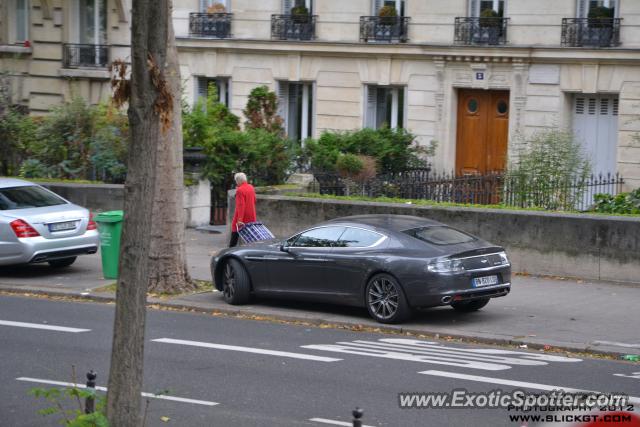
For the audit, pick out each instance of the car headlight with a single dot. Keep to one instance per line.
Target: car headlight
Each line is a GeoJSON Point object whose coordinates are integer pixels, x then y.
{"type": "Point", "coordinates": [503, 258]}
{"type": "Point", "coordinates": [446, 266]}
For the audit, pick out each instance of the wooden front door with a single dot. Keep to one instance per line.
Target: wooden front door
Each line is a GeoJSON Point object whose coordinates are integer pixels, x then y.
{"type": "Point", "coordinates": [483, 128]}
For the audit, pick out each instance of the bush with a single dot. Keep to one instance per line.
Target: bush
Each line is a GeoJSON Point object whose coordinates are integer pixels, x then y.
{"type": "Point", "coordinates": [623, 203]}
{"type": "Point", "coordinates": [550, 173]}
{"type": "Point", "coordinates": [262, 111]}
{"type": "Point", "coordinates": [17, 130]}
{"type": "Point", "coordinates": [393, 149]}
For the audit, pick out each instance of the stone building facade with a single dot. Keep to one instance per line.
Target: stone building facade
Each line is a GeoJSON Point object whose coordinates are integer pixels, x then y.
{"type": "Point", "coordinates": [477, 76]}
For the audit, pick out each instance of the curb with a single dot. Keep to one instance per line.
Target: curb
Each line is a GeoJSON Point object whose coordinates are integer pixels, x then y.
{"type": "Point", "coordinates": [286, 318]}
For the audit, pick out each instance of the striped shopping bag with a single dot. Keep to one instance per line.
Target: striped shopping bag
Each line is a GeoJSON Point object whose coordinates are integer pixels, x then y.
{"type": "Point", "coordinates": [255, 232]}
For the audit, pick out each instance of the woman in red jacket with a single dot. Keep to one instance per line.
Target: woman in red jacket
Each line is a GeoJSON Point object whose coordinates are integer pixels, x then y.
{"type": "Point", "coordinates": [245, 206]}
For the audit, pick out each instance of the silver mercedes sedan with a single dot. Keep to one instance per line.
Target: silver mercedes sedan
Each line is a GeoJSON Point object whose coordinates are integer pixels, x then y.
{"type": "Point", "coordinates": [37, 225]}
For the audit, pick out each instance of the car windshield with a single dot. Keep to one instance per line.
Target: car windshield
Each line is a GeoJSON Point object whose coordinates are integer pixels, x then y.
{"type": "Point", "coordinates": [26, 197]}
{"type": "Point", "coordinates": [440, 235]}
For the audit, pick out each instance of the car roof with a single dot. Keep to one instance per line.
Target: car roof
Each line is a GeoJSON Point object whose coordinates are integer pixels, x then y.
{"type": "Point", "coordinates": [395, 223]}
{"type": "Point", "coordinates": [13, 182]}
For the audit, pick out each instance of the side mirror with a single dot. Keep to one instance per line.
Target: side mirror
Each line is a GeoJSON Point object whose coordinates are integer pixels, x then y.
{"type": "Point", "coordinates": [284, 247]}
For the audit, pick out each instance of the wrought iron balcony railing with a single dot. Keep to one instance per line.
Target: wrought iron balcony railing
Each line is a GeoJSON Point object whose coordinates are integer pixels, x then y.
{"type": "Point", "coordinates": [591, 32]}
{"type": "Point", "coordinates": [85, 55]}
{"type": "Point", "coordinates": [213, 25]}
{"type": "Point", "coordinates": [481, 30]}
{"type": "Point", "coordinates": [293, 27]}
{"type": "Point", "coordinates": [384, 28]}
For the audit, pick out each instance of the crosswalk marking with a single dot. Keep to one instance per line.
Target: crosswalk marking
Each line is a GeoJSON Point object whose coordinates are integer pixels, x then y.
{"type": "Point", "coordinates": [152, 395]}
{"type": "Point", "coordinates": [248, 350]}
{"type": "Point", "coordinates": [41, 326]}
{"type": "Point", "coordinates": [434, 353]}
{"type": "Point", "coordinates": [501, 381]}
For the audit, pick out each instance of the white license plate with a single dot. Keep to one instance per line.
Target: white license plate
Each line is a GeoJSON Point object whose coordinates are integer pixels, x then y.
{"type": "Point", "coordinates": [62, 226]}
{"type": "Point", "coordinates": [485, 281]}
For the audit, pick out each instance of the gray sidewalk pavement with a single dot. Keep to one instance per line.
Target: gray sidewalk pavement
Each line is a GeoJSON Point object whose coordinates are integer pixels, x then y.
{"type": "Point", "coordinates": [568, 314]}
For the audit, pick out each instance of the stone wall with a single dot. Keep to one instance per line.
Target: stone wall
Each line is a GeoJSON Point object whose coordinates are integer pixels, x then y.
{"type": "Point", "coordinates": [583, 246]}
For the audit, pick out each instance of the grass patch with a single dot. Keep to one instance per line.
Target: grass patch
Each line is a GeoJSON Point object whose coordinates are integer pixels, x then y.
{"type": "Point", "coordinates": [201, 286]}
{"type": "Point", "coordinates": [418, 202]}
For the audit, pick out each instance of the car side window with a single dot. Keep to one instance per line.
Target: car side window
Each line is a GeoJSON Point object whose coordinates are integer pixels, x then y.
{"type": "Point", "coordinates": [322, 237]}
{"type": "Point", "coordinates": [358, 238]}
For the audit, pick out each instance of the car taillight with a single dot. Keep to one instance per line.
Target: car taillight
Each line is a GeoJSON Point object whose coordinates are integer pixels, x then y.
{"type": "Point", "coordinates": [92, 224]}
{"type": "Point", "coordinates": [23, 229]}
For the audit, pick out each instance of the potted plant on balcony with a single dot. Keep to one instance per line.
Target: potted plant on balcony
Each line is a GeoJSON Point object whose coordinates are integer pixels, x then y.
{"type": "Point", "coordinates": [388, 15]}
{"type": "Point", "coordinates": [600, 26]}
{"type": "Point", "coordinates": [216, 8]}
{"type": "Point", "coordinates": [489, 18]}
{"type": "Point", "coordinates": [300, 14]}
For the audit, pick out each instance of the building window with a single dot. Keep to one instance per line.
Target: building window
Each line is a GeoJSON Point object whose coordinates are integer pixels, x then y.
{"type": "Point", "coordinates": [597, 9]}
{"type": "Point", "coordinates": [385, 107]}
{"type": "Point", "coordinates": [214, 6]}
{"type": "Point", "coordinates": [92, 22]}
{"type": "Point", "coordinates": [221, 84]}
{"type": "Point", "coordinates": [486, 8]}
{"type": "Point", "coordinates": [295, 106]}
{"type": "Point", "coordinates": [397, 4]}
{"type": "Point", "coordinates": [18, 20]}
{"type": "Point", "coordinates": [289, 5]}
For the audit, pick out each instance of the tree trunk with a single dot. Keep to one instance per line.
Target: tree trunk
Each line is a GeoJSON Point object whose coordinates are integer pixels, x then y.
{"type": "Point", "coordinates": [168, 271]}
{"type": "Point", "coordinates": [149, 35]}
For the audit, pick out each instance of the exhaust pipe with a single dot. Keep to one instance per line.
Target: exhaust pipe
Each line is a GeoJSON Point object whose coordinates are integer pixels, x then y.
{"type": "Point", "coordinates": [446, 300]}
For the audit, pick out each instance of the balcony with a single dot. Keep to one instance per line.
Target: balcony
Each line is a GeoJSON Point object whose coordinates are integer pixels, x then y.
{"type": "Point", "coordinates": [591, 32]}
{"type": "Point", "coordinates": [210, 25]}
{"type": "Point", "coordinates": [384, 29]}
{"type": "Point", "coordinates": [481, 31]}
{"type": "Point", "coordinates": [85, 55]}
{"type": "Point", "coordinates": [293, 27]}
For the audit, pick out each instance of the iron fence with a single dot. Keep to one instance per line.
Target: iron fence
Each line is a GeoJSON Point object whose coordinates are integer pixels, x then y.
{"type": "Point", "coordinates": [213, 25]}
{"type": "Point", "coordinates": [480, 30]}
{"type": "Point", "coordinates": [85, 55]}
{"type": "Point", "coordinates": [591, 32]}
{"type": "Point", "coordinates": [490, 189]}
{"type": "Point", "coordinates": [384, 28]}
{"type": "Point", "coordinates": [293, 27]}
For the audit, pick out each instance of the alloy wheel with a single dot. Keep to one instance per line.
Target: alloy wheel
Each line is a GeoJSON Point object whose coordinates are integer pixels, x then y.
{"type": "Point", "coordinates": [383, 298]}
{"type": "Point", "coordinates": [229, 287]}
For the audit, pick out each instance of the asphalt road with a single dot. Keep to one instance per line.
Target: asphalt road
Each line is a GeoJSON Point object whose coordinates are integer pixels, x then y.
{"type": "Point", "coordinates": [253, 373]}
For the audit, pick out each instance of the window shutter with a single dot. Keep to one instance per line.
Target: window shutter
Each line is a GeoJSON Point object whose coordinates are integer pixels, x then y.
{"type": "Point", "coordinates": [370, 111]}
{"type": "Point", "coordinates": [287, 6]}
{"type": "Point", "coordinates": [474, 8]}
{"type": "Point", "coordinates": [582, 9]}
{"type": "Point", "coordinates": [283, 102]}
{"type": "Point", "coordinates": [377, 5]}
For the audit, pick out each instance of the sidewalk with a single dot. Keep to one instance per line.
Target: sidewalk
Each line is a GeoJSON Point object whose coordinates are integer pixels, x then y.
{"type": "Point", "coordinates": [569, 314]}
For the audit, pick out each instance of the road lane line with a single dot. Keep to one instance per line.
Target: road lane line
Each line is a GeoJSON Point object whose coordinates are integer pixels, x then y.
{"type": "Point", "coordinates": [334, 422]}
{"type": "Point", "coordinates": [248, 350]}
{"type": "Point", "coordinates": [155, 396]}
{"type": "Point", "coordinates": [512, 383]}
{"type": "Point", "coordinates": [41, 326]}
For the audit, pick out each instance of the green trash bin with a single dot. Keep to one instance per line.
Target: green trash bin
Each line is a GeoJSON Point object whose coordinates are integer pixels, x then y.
{"type": "Point", "coordinates": [110, 228]}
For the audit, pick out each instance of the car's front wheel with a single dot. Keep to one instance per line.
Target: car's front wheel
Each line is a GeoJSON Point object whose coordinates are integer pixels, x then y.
{"type": "Point", "coordinates": [469, 306]}
{"type": "Point", "coordinates": [385, 300]}
{"type": "Point", "coordinates": [64, 262]}
{"type": "Point", "coordinates": [236, 285]}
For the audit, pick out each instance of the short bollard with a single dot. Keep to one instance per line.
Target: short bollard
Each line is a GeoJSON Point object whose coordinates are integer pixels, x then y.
{"type": "Point", "coordinates": [357, 414]}
{"type": "Point", "coordinates": [89, 403]}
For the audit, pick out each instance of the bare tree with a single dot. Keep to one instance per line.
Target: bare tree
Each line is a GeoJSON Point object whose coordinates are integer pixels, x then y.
{"type": "Point", "coordinates": [150, 114]}
{"type": "Point", "coordinates": [168, 271]}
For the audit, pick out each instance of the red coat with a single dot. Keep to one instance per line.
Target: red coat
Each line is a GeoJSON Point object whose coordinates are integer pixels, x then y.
{"type": "Point", "coordinates": [245, 205]}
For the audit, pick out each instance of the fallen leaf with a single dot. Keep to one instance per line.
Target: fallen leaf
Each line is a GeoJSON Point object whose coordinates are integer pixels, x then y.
{"type": "Point", "coordinates": [165, 419]}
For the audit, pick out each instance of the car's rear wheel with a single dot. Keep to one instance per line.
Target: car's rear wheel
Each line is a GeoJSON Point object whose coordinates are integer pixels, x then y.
{"type": "Point", "coordinates": [236, 285]}
{"type": "Point", "coordinates": [385, 300]}
{"type": "Point", "coordinates": [469, 306]}
{"type": "Point", "coordinates": [63, 262]}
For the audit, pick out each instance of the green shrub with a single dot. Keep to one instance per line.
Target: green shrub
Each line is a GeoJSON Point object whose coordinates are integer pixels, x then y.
{"type": "Point", "coordinates": [393, 149]}
{"type": "Point", "coordinates": [262, 111]}
{"type": "Point", "coordinates": [17, 130]}
{"type": "Point", "coordinates": [551, 172]}
{"type": "Point", "coordinates": [623, 203]}
{"type": "Point", "coordinates": [349, 164]}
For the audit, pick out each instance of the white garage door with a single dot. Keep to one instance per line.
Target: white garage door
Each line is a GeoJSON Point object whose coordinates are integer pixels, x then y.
{"type": "Point", "coordinates": [595, 122]}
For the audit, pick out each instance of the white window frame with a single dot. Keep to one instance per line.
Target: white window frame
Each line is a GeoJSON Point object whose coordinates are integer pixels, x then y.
{"type": "Point", "coordinates": [12, 21]}
{"type": "Point", "coordinates": [307, 124]}
{"type": "Point", "coordinates": [582, 7]}
{"type": "Point", "coordinates": [370, 120]}
{"type": "Point", "coordinates": [222, 83]}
